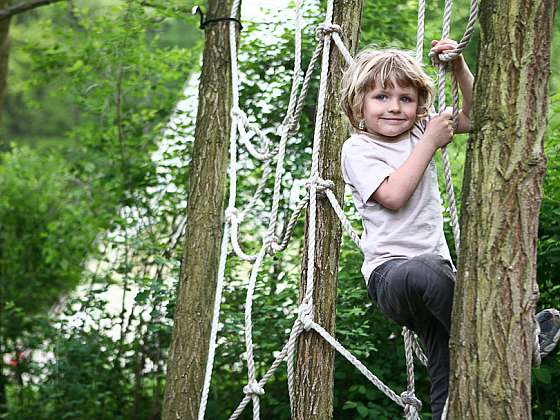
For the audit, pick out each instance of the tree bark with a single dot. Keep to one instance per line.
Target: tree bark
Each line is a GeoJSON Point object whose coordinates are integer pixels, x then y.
{"type": "Point", "coordinates": [7, 12]}
{"type": "Point", "coordinates": [315, 357]}
{"type": "Point", "coordinates": [4, 56]}
{"type": "Point", "coordinates": [205, 208]}
{"type": "Point", "coordinates": [496, 290]}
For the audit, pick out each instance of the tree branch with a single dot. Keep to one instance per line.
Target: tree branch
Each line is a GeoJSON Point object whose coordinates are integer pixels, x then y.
{"type": "Point", "coordinates": [24, 7]}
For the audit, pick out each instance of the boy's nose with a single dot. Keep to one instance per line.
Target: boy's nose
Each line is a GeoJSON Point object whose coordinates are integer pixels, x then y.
{"type": "Point", "coordinates": [394, 106]}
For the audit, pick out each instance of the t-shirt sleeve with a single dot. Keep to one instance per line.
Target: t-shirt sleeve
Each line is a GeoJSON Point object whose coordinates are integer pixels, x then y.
{"type": "Point", "coordinates": [364, 168]}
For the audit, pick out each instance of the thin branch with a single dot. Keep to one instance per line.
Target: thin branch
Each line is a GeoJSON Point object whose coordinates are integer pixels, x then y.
{"type": "Point", "coordinates": [24, 7]}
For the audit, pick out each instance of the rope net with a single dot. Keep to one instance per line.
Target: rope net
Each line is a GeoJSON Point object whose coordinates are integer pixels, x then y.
{"type": "Point", "coordinates": [243, 133]}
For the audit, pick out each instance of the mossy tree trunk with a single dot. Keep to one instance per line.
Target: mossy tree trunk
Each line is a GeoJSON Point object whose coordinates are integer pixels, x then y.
{"type": "Point", "coordinates": [4, 54]}
{"type": "Point", "coordinates": [496, 290]}
{"type": "Point", "coordinates": [4, 57]}
{"type": "Point", "coordinates": [205, 209]}
{"type": "Point", "coordinates": [315, 357]}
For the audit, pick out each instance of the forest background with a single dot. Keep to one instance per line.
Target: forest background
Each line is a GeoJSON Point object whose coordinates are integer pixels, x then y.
{"type": "Point", "coordinates": [95, 144]}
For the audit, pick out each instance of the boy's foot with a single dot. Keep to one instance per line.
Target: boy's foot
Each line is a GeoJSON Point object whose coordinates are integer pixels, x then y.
{"type": "Point", "coordinates": [549, 323]}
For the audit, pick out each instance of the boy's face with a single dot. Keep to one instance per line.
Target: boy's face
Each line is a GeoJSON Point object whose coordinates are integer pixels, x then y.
{"type": "Point", "coordinates": [390, 111]}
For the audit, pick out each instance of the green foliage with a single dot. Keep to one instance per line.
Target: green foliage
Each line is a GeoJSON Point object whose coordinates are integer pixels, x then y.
{"type": "Point", "coordinates": [97, 196]}
{"type": "Point", "coordinates": [89, 45]}
{"type": "Point", "coordinates": [47, 231]}
{"type": "Point", "coordinates": [91, 372]}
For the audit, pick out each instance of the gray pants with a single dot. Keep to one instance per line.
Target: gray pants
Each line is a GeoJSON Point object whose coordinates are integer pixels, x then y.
{"type": "Point", "coordinates": [418, 293]}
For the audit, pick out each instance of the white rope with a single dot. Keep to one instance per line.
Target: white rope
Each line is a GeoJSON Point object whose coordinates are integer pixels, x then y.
{"type": "Point", "coordinates": [420, 31]}
{"type": "Point", "coordinates": [342, 48]}
{"type": "Point", "coordinates": [307, 302]}
{"type": "Point", "coordinates": [245, 137]}
{"type": "Point", "coordinates": [445, 155]}
{"type": "Point", "coordinates": [411, 410]}
{"type": "Point", "coordinates": [536, 345]}
{"type": "Point", "coordinates": [346, 225]}
{"type": "Point", "coordinates": [234, 224]}
{"type": "Point", "coordinates": [231, 206]}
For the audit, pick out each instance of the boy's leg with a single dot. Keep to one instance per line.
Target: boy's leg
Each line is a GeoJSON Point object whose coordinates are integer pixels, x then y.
{"type": "Point", "coordinates": [418, 294]}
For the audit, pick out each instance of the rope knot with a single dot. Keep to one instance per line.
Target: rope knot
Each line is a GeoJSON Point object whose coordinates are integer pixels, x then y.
{"type": "Point", "coordinates": [305, 316]}
{"type": "Point", "coordinates": [410, 401]}
{"type": "Point", "coordinates": [231, 212]}
{"type": "Point", "coordinates": [292, 124]}
{"type": "Point", "coordinates": [325, 29]}
{"type": "Point", "coordinates": [273, 246]}
{"type": "Point", "coordinates": [322, 185]}
{"type": "Point", "coordinates": [253, 388]}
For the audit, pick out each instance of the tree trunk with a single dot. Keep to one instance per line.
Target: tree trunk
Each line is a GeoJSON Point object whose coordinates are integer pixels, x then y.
{"type": "Point", "coordinates": [199, 268]}
{"type": "Point", "coordinates": [496, 290]}
{"type": "Point", "coordinates": [315, 357]}
{"type": "Point", "coordinates": [4, 57]}
{"type": "Point", "coordinates": [4, 145]}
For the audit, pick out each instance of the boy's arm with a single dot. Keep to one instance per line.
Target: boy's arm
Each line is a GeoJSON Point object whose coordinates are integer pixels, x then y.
{"type": "Point", "coordinates": [395, 191]}
{"type": "Point", "coordinates": [465, 80]}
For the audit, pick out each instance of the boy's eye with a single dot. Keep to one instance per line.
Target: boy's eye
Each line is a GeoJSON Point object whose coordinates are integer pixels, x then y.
{"type": "Point", "coordinates": [406, 99]}
{"type": "Point", "coordinates": [380, 97]}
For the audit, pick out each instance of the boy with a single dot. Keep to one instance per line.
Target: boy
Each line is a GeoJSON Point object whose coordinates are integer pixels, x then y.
{"type": "Point", "coordinates": [388, 164]}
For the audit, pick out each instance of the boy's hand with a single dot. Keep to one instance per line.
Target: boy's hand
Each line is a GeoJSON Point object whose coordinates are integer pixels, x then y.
{"type": "Point", "coordinates": [446, 44]}
{"type": "Point", "coordinates": [440, 130]}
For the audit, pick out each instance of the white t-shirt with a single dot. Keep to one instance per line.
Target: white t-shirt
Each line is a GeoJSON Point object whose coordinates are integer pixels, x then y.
{"type": "Point", "coordinates": [414, 229]}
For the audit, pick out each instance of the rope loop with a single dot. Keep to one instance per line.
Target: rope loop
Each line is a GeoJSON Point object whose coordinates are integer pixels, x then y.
{"type": "Point", "coordinates": [325, 29]}
{"type": "Point", "coordinates": [410, 401]}
{"type": "Point", "coordinates": [253, 388]}
{"type": "Point", "coordinates": [322, 185]}
{"type": "Point", "coordinates": [446, 57]}
{"type": "Point", "coordinates": [305, 315]}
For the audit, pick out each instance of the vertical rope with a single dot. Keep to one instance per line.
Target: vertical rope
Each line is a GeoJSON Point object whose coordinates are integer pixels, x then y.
{"type": "Point", "coordinates": [410, 410]}
{"type": "Point", "coordinates": [231, 205]}
{"type": "Point", "coordinates": [441, 107]}
{"type": "Point", "coordinates": [286, 127]}
{"type": "Point", "coordinates": [269, 238]}
{"type": "Point", "coordinates": [420, 31]}
{"type": "Point", "coordinates": [307, 302]}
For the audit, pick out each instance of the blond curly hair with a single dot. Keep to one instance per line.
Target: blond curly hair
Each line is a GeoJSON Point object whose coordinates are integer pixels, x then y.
{"type": "Point", "coordinates": [382, 68]}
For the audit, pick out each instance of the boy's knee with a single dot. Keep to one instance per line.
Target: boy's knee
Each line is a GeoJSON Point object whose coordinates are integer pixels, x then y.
{"type": "Point", "coordinates": [411, 275]}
